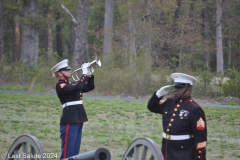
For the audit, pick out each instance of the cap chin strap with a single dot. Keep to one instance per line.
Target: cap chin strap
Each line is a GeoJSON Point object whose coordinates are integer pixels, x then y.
{"type": "Point", "coordinates": [64, 76]}
{"type": "Point", "coordinates": [182, 94]}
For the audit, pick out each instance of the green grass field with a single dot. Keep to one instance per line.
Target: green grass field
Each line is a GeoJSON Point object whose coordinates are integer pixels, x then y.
{"type": "Point", "coordinates": [112, 124]}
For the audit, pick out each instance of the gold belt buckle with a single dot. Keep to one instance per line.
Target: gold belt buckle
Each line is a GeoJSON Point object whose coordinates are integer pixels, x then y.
{"type": "Point", "coordinates": [168, 137]}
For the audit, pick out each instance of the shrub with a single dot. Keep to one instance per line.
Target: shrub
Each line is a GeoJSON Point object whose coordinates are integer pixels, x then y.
{"type": "Point", "coordinates": [232, 86]}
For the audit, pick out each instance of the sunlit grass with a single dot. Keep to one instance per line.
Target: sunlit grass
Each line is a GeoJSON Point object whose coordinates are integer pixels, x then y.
{"type": "Point", "coordinates": [112, 124]}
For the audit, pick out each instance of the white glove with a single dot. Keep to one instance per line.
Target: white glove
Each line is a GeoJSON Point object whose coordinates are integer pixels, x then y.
{"type": "Point", "coordinates": [90, 71]}
{"type": "Point", "coordinates": [85, 68]}
{"type": "Point", "coordinates": [163, 91]}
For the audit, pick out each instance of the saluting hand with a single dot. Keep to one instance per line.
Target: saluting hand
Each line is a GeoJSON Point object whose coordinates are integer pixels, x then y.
{"type": "Point", "coordinates": [163, 91]}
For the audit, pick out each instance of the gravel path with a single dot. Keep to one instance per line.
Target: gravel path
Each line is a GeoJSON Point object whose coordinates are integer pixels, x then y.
{"type": "Point", "coordinates": [145, 100]}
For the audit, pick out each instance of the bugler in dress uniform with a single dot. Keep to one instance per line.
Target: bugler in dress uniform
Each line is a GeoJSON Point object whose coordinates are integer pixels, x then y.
{"type": "Point", "coordinates": [183, 120]}
{"type": "Point", "coordinates": [73, 114]}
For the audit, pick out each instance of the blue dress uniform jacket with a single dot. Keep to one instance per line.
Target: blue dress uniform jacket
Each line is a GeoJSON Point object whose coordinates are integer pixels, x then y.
{"type": "Point", "coordinates": [182, 117]}
{"type": "Point", "coordinates": [72, 92]}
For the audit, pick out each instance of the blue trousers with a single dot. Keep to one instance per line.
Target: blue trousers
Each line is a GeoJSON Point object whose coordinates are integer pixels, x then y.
{"type": "Point", "coordinates": [71, 135]}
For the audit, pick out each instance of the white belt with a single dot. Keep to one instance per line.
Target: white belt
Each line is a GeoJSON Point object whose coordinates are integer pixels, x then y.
{"type": "Point", "coordinates": [71, 103]}
{"type": "Point", "coordinates": [176, 137]}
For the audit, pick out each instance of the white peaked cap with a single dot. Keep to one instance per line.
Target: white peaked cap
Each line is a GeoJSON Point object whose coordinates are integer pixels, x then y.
{"type": "Point", "coordinates": [183, 78]}
{"type": "Point", "coordinates": [61, 65]}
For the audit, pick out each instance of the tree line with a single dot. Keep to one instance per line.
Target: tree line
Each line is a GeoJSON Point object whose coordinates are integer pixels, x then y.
{"type": "Point", "coordinates": [194, 35]}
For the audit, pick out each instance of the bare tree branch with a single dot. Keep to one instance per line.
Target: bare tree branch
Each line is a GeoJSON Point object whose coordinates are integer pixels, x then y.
{"type": "Point", "coordinates": [68, 12]}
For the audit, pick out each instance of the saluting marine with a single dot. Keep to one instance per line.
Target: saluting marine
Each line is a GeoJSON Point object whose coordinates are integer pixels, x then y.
{"type": "Point", "coordinates": [183, 120]}
{"type": "Point", "coordinates": [73, 114]}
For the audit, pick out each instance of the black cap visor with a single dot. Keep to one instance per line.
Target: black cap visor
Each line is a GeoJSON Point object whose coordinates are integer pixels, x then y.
{"type": "Point", "coordinates": [65, 69]}
{"type": "Point", "coordinates": [180, 85]}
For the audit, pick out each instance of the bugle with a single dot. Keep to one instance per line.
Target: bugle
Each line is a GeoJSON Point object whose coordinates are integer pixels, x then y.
{"type": "Point", "coordinates": [74, 73]}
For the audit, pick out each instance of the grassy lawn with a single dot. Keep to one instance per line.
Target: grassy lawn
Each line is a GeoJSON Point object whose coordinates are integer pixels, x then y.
{"type": "Point", "coordinates": [112, 124]}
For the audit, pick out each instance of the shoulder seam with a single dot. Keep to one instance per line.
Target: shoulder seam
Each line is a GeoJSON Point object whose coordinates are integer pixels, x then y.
{"type": "Point", "coordinates": [194, 103]}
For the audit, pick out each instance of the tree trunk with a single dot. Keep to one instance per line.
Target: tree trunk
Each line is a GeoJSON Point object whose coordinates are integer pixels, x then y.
{"type": "Point", "coordinates": [190, 24]}
{"type": "Point", "coordinates": [229, 50]}
{"type": "Point", "coordinates": [205, 25]}
{"type": "Point", "coordinates": [73, 30]}
{"type": "Point", "coordinates": [132, 39]}
{"type": "Point", "coordinates": [177, 11]}
{"type": "Point", "coordinates": [1, 30]}
{"type": "Point", "coordinates": [175, 29]}
{"type": "Point", "coordinates": [80, 50]}
{"type": "Point", "coordinates": [219, 37]}
{"type": "Point", "coordinates": [72, 40]}
{"type": "Point", "coordinates": [238, 53]}
{"type": "Point", "coordinates": [17, 42]}
{"type": "Point", "coordinates": [181, 49]}
{"type": "Point", "coordinates": [29, 46]}
{"type": "Point", "coordinates": [50, 34]}
{"type": "Point", "coordinates": [108, 28]}
{"type": "Point", "coordinates": [17, 38]}
{"type": "Point", "coordinates": [191, 9]}
{"type": "Point", "coordinates": [148, 40]}
{"type": "Point", "coordinates": [59, 36]}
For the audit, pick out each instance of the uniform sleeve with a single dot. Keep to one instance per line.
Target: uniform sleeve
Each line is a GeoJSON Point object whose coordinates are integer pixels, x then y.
{"type": "Point", "coordinates": [199, 128]}
{"type": "Point", "coordinates": [67, 88]}
{"type": "Point", "coordinates": [89, 86]}
{"type": "Point", "coordinates": [153, 104]}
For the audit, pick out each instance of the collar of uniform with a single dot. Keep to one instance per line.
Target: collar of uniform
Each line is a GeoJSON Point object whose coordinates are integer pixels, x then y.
{"type": "Point", "coordinates": [63, 81]}
{"type": "Point", "coordinates": [183, 99]}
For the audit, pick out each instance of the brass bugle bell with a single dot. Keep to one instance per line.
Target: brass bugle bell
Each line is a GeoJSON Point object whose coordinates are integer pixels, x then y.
{"type": "Point", "coordinates": [74, 73]}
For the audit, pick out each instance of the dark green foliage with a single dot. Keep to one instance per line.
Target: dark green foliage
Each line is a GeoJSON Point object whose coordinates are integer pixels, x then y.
{"type": "Point", "coordinates": [21, 77]}
{"type": "Point", "coordinates": [36, 21]}
{"type": "Point", "coordinates": [126, 72]}
{"type": "Point", "coordinates": [204, 87]}
{"type": "Point", "coordinates": [95, 21]}
{"type": "Point", "coordinates": [232, 86]}
{"type": "Point", "coordinates": [206, 77]}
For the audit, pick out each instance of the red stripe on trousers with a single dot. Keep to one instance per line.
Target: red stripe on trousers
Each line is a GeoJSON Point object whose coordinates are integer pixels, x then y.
{"type": "Point", "coordinates": [66, 142]}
